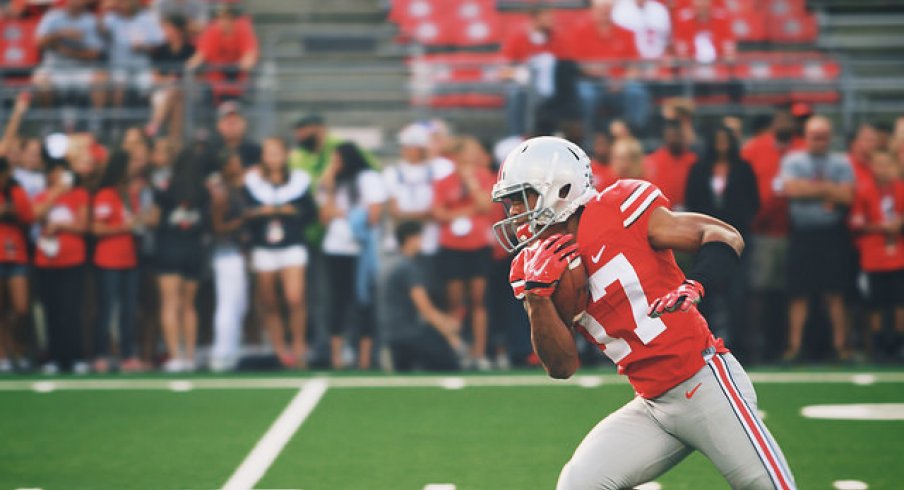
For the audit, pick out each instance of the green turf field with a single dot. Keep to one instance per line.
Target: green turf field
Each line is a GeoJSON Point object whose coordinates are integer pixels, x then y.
{"type": "Point", "coordinates": [379, 432]}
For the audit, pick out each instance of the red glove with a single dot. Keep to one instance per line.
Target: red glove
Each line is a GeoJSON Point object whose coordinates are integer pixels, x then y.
{"type": "Point", "coordinates": [688, 294]}
{"type": "Point", "coordinates": [545, 263]}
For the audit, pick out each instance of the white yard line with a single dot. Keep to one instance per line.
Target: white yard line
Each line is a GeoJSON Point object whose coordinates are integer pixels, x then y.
{"type": "Point", "coordinates": [272, 443]}
{"type": "Point", "coordinates": [501, 380]}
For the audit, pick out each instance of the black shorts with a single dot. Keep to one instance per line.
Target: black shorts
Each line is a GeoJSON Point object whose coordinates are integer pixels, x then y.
{"type": "Point", "coordinates": [818, 261]}
{"type": "Point", "coordinates": [188, 264]}
{"type": "Point", "coordinates": [461, 265]}
{"type": "Point", "coordinates": [885, 289]}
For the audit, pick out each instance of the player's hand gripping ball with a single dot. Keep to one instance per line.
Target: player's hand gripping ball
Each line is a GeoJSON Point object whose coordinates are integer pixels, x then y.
{"type": "Point", "coordinates": [688, 294]}
{"type": "Point", "coordinates": [553, 268]}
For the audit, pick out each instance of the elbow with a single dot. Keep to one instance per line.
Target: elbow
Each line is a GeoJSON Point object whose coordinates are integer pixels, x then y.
{"type": "Point", "coordinates": [562, 370]}
{"type": "Point", "coordinates": [737, 242]}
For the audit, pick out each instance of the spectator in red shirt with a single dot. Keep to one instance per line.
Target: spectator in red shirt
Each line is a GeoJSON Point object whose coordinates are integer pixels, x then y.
{"type": "Point", "coordinates": [877, 218]}
{"type": "Point", "coordinates": [863, 146]}
{"type": "Point", "coordinates": [463, 208]}
{"type": "Point", "coordinates": [606, 52]}
{"type": "Point", "coordinates": [603, 176]}
{"type": "Point", "coordinates": [531, 53]}
{"type": "Point", "coordinates": [769, 243]}
{"type": "Point", "coordinates": [62, 212]}
{"type": "Point", "coordinates": [116, 259]}
{"type": "Point", "coordinates": [229, 45]}
{"type": "Point", "coordinates": [669, 166]}
{"type": "Point", "coordinates": [704, 34]}
{"type": "Point", "coordinates": [15, 215]}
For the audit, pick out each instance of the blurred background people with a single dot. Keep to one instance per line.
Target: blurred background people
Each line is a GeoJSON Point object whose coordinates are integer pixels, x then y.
{"type": "Point", "coordinates": [351, 197]}
{"type": "Point", "coordinates": [73, 51]}
{"type": "Point", "coordinates": [15, 216]}
{"type": "Point", "coordinates": [60, 256]}
{"type": "Point", "coordinates": [419, 335]}
{"type": "Point", "coordinates": [227, 220]}
{"type": "Point", "coordinates": [132, 34]}
{"type": "Point", "coordinates": [461, 206]}
{"type": "Point", "coordinates": [279, 207]}
{"type": "Point", "coordinates": [724, 186]}
{"type": "Point", "coordinates": [878, 220]}
{"type": "Point", "coordinates": [168, 62]}
{"type": "Point", "coordinates": [820, 186]}
{"type": "Point", "coordinates": [179, 221]}
{"type": "Point", "coordinates": [114, 220]}
{"type": "Point", "coordinates": [669, 166]}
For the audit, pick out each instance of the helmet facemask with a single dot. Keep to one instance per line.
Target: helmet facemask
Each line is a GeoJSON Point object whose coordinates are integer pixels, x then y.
{"type": "Point", "coordinates": [517, 231]}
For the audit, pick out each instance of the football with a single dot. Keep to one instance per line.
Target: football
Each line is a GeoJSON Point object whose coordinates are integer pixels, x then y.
{"type": "Point", "coordinates": [572, 294]}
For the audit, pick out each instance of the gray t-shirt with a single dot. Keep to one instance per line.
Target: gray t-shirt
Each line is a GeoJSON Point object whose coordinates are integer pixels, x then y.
{"type": "Point", "coordinates": [815, 213]}
{"type": "Point", "coordinates": [57, 20]}
{"type": "Point", "coordinates": [142, 28]}
{"type": "Point", "coordinates": [399, 318]}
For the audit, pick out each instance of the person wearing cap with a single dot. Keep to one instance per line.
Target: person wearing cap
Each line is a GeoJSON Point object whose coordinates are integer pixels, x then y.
{"type": "Point", "coordinates": [410, 183]}
{"type": "Point", "coordinates": [231, 128]}
{"type": "Point", "coordinates": [314, 146]}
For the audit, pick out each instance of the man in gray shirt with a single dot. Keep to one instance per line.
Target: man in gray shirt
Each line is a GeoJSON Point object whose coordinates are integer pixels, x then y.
{"type": "Point", "coordinates": [418, 334]}
{"type": "Point", "coordinates": [73, 48]}
{"type": "Point", "coordinates": [820, 187]}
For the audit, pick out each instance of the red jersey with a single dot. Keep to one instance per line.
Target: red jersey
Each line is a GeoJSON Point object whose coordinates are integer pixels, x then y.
{"type": "Point", "coordinates": [626, 274]}
{"type": "Point", "coordinates": [62, 249]}
{"type": "Point", "coordinates": [586, 43]}
{"type": "Point", "coordinates": [466, 233]}
{"type": "Point", "coordinates": [669, 173]}
{"type": "Point", "coordinates": [690, 34]}
{"type": "Point", "coordinates": [526, 43]}
{"type": "Point", "coordinates": [603, 176]}
{"type": "Point", "coordinates": [219, 47]}
{"type": "Point", "coordinates": [765, 157]}
{"type": "Point", "coordinates": [12, 228]}
{"type": "Point", "coordinates": [878, 205]}
{"type": "Point", "coordinates": [113, 251]}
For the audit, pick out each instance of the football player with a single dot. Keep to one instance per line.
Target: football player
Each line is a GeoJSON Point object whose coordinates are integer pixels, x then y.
{"type": "Point", "coordinates": [692, 394]}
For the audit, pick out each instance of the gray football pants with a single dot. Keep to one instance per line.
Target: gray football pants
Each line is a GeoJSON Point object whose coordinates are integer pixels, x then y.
{"type": "Point", "coordinates": [713, 412]}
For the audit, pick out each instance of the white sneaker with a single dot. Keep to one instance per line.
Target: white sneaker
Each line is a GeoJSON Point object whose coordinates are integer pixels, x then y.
{"type": "Point", "coordinates": [6, 366]}
{"type": "Point", "coordinates": [50, 369]}
{"type": "Point", "coordinates": [173, 366]}
{"type": "Point", "coordinates": [189, 365]}
{"type": "Point", "coordinates": [81, 368]}
{"type": "Point", "coordinates": [503, 363]}
{"type": "Point", "coordinates": [483, 364]}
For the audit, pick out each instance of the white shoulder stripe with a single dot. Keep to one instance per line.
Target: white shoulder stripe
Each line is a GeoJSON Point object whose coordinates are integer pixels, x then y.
{"type": "Point", "coordinates": [635, 195]}
{"type": "Point", "coordinates": [643, 207]}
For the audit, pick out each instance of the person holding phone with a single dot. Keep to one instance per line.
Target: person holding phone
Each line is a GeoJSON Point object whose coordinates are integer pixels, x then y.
{"type": "Point", "coordinates": [61, 212]}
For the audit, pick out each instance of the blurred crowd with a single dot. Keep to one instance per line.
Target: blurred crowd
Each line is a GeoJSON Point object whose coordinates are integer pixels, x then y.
{"type": "Point", "coordinates": [123, 53]}
{"type": "Point", "coordinates": [595, 67]}
{"type": "Point", "coordinates": [316, 255]}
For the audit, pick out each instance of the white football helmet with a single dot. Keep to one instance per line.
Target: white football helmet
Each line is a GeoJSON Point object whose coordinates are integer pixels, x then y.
{"type": "Point", "coordinates": [558, 171]}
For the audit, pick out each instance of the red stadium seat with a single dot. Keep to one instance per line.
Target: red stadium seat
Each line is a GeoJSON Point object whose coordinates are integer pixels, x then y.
{"type": "Point", "coordinates": [749, 26]}
{"type": "Point", "coordinates": [800, 28]}
{"type": "Point", "coordinates": [18, 46]}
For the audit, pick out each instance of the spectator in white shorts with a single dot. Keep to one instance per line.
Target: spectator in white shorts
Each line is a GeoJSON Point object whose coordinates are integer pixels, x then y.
{"type": "Point", "coordinates": [73, 48]}
{"type": "Point", "coordinates": [133, 33]}
{"type": "Point", "coordinates": [280, 207]}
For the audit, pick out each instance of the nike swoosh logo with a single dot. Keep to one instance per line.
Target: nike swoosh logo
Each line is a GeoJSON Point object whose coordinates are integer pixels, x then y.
{"type": "Point", "coordinates": [596, 258]}
{"type": "Point", "coordinates": [690, 394]}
